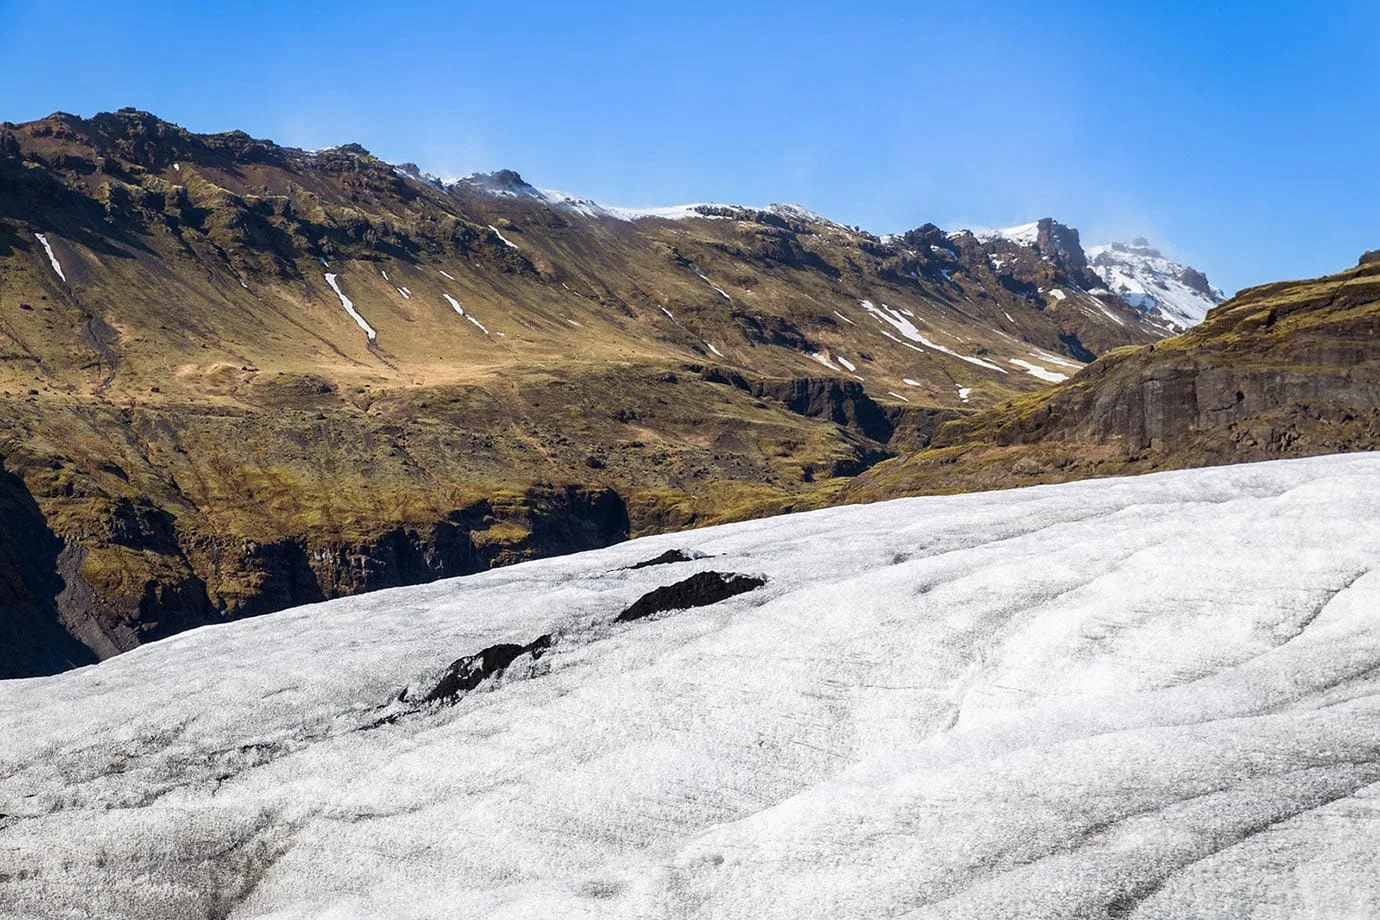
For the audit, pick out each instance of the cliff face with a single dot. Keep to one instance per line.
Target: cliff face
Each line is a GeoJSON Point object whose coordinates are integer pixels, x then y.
{"type": "Point", "coordinates": [1285, 370]}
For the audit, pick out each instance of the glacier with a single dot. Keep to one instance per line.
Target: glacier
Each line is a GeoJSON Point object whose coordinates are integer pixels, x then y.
{"type": "Point", "coordinates": [1150, 697]}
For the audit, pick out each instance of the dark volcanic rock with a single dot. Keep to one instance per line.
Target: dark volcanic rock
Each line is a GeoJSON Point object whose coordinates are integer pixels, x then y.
{"type": "Point", "coordinates": [464, 674]}
{"type": "Point", "coordinates": [666, 558]}
{"type": "Point", "coordinates": [699, 590]}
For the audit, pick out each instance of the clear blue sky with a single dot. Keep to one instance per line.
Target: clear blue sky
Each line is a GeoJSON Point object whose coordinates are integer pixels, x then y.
{"type": "Point", "coordinates": [1241, 137]}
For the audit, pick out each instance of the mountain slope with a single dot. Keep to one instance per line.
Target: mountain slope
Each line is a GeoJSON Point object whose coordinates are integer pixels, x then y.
{"type": "Point", "coordinates": [1148, 697]}
{"type": "Point", "coordinates": [236, 377]}
{"type": "Point", "coordinates": [1283, 370]}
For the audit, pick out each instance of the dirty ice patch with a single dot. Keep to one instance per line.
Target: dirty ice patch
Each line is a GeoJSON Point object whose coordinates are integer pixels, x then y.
{"type": "Point", "coordinates": [844, 318]}
{"type": "Point", "coordinates": [501, 238]}
{"type": "Point", "coordinates": [846, 363]}
{"type": "Point", "coordinates": [47, 247]}
{"type": "Point", "coordinates": [909, 382]}
{"type": "Point", "coordinates": [897, 395]}
{"type": "Point", "coordinates": [1058, 294]}
{"type": "Point", "coordinates": [1042, 373]}
{"type": "Point", "coordinates": [350, 307]}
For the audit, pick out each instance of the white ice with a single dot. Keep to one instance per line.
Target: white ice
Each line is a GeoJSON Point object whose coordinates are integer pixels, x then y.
{"type": "Point", "coordinates": [713, 349]}
{"type": "Point", "coordinates": [897, 395]}
{"type": "Point", "coordinates": [455, 304]}
{"type": "Point", "coordinates": [502, 239]}
{"type": "Point", "coordinates": [963, 393]}
{"type": "Point", "coordinates": [446, 274]}
{"type": "Point", "coordinates": [846, 363]}
{"type": "Point", "coordinates": [350, 307]}
{"type": "Point", "coordinates": [1153, 697]}
{"type": "Point", "coordinates": [52, 259]}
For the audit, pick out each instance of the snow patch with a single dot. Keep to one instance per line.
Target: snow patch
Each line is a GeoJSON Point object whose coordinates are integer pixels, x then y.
{"type": "Point", "coordinates": [52, 259]}
{"type": "Point", "coordinates": [501, 238]}
{"type": "Point", "coordinates": [904, 326]}
{"type": "Point", "coordinates": [822, 359]}
{"type": "Point", "coordinates": [695, 268]}
{"type": "Point", "coordinates": [1042, 373]}
{"type": "Point", "coordinates": [350, 307]}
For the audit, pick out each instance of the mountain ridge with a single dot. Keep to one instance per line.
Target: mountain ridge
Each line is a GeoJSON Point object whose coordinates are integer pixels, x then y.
{"type": "Point", "coordinates": [237, 376]}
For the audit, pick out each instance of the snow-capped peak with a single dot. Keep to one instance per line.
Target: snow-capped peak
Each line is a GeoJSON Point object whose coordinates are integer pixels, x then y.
{"type": "Point", "coordinates": [1021, 235]}
{"type": "Point", "coordinates": [505, 183]}
{"type": "Point", "coordinates": [1162, 289]}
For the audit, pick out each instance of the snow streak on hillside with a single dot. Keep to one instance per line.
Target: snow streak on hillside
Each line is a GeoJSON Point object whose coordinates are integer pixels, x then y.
{"type": "Point", "coordinates": [1151, 697]}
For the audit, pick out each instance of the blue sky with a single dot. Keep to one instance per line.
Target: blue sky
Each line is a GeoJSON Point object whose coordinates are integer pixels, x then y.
{"type": "Point", "coordinates": [1241, 137]}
